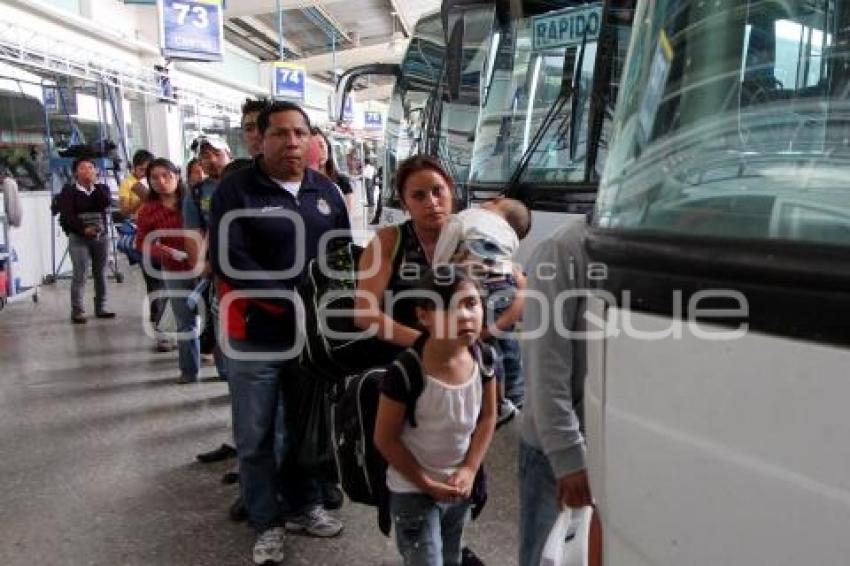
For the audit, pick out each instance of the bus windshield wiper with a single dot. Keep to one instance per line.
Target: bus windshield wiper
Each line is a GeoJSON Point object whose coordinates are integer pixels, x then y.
{"type": "Point", "coordinates": [570, 89]}
{"type": "Point", "coordinates": [576, 100]}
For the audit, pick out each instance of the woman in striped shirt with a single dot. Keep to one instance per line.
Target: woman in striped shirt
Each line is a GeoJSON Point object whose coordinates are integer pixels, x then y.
{"type": "Point", "coordinates": [160, 238]}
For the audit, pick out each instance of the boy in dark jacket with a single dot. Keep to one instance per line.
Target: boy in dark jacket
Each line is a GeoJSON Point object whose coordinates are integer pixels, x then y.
{"type": "Point", "coordinates": [82, 215]}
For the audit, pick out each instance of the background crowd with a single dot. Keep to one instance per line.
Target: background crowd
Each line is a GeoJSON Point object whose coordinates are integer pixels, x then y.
{"type": "Point", "coordinates": [221, 256]}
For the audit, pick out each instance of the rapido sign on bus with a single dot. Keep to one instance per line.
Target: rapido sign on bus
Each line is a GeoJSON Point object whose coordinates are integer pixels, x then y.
{"type": "Point", "coordinates": [568, 27]}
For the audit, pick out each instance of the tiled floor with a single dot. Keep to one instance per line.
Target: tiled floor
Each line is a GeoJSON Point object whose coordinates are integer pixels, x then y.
{"type": "Point", "coordinates": [98, 446]}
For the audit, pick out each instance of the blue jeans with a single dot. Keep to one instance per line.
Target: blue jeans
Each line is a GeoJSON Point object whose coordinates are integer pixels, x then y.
{"type": "Point", "coordinates": [188, 349]}
{"type": "Point", "coordinates": [258, 421]}
{"type": "Point", "coordinates": [538, 503]}
{"type": "Point", "coordinates": [508, 363]}
{"type": "Point", "coordinates": [428, 533]}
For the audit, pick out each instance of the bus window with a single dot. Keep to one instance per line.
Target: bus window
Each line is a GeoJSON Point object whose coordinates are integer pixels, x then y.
{"type": "Point", "coordinates": [424, 116]}
{"type": "Point", "coordinates": [525, 81]}
{"type": "Point", "coordinates": [731, 124]}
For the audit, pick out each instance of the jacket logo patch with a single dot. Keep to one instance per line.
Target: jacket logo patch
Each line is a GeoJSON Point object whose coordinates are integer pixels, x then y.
{"type": "Point", "coordinates": [323, 207]}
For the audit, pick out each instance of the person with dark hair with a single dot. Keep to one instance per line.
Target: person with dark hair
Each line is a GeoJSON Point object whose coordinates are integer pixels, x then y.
{"type": "Point", "coordinates": [251, 136]}
{"type": "Point", "coordinates": [82, 215]}
{"type": "Point", "coordinates": [214, 155]}
{"type": "Point", "coordinates": [326, 165]}
{"type": "Point", "coordinates": [253, 142]}
{"type": "Point", "coordinates": [369, 173]}
{"type": "Point", "coordinates": [264, 119]}
{"type": "Point", "coordinates": [432, 466]}
{"type": "Point", "coordinates": [132, 194]}
{"type": "Point", "coordinates": [131, 197]}
{"type": "Point", "coordinates": [278, 198]}
{"type": "Point", "coordinates": [397, 255]}
{"type": "Point", "coordinates": [393, 263]}
{"type": "Point", "coordinates": [162, 211]}
{"type": "Point", "coordinates": [195, 173]}
{"type": "Point", "coordinates": [322, 154]}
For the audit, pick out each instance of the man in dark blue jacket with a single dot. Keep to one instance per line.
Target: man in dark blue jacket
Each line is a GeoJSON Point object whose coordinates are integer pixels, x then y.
{"type": "Point", "coordinates": [268, 221]}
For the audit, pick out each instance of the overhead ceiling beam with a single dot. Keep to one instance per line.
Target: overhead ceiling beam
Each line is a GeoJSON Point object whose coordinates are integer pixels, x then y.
{"type": "Point", "coordinates": [404, 16]}
{"type": "Point", "coordinates": [255, 7]}
{"type": "Point", "coordinates": [237, 37]}
{"type": "Point", "coordinates": [269, 33]}
{"type": "Point", "coordinates": [340, 30]}
{"type": "Point", "coordinates": [380, 53]}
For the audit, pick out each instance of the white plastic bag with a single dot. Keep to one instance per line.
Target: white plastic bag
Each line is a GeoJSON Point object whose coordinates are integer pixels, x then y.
{"type": "Point", "coordinates": [563, 548]}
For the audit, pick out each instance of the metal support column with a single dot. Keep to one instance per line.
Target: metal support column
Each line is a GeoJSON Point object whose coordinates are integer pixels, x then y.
{"type": "Point", "coordinates": [280, 30]}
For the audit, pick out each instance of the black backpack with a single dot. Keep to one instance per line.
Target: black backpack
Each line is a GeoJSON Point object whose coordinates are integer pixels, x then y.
{"type": "Point", "coordinates": [361, 468]}
{"type": "Point", "coordinates": [330, 357]}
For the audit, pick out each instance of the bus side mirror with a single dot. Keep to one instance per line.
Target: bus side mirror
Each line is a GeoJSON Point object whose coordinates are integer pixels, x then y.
{"type": "Point", "coordinates": [346, 82]}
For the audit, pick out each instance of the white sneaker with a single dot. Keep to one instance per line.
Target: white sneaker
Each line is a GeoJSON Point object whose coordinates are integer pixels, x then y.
{"type": "Point", "coordinates": [506, 411]}
{"type": "Point", "coordinates": [269, 547]}
{"type": "Point", "coordinates": [314, 521]}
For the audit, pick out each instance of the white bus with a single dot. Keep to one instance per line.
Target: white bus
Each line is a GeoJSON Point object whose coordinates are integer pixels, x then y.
{"type": "Point", "coordinates": [715, 407]}
{"type": "Point", "coordinates": [507, 107]}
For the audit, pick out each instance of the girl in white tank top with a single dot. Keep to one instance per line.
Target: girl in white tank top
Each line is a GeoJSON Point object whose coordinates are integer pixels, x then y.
{"type": "Point", "coordinates": [432, 466]}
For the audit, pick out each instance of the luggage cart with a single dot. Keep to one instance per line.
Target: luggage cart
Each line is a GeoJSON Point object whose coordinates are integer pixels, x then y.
{"type": "Point", "coordinates": [9, 290]}
{"type": "Point", "coordinates": [108, 169]}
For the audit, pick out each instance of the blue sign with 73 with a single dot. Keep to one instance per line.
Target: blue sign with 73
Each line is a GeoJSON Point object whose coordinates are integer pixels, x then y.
{"type": "Point", "coordinates": [192, 29]}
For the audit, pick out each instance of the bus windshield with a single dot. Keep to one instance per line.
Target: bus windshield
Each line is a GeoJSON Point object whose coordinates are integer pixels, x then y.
{"type": "Point", "coordinates": [537, 97]}
{"type": "Point", "coordinates": [733, 122]}
{"type": "Point", "coordinates": [524, 109]}
{"type": "Point", "coordinates": [424, 115]}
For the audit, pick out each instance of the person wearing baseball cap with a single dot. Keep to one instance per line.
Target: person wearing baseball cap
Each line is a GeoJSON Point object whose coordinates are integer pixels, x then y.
{"type": "Point", "coordinates": [214, 156]}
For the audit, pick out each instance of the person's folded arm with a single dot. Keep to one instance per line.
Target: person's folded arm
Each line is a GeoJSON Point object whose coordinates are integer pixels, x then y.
{"type": "Point", "coordinates": [513, 313]}
{"type": "Point", "coordinates": [389, 425]}
{"type": "Point", "coordinates": [374, 274]}
{"type": "Point", "coordinates": [68, 211]}
{"type": "Point", "coordinates": [151, 249]}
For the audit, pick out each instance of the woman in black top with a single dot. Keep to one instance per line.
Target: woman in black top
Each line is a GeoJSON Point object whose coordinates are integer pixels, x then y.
{"type": "Point", "coordinates": [396, 257]}
{"type": "Point", "coordinates": [326, 165]}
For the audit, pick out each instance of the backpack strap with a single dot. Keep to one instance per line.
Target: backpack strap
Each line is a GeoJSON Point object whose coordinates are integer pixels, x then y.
{"type": "Point", "coordinates": [409, 364]}
{"type": "Point", "coordinates": [486, 358]}
{"type": "Point", "coordinates": [397, 256]}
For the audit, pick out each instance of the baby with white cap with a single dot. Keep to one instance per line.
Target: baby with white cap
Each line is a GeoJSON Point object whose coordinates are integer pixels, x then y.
{"type": "Point", "coordinates": [488, 235]}
{"type": "Point", "coordinates": [487, 238]}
